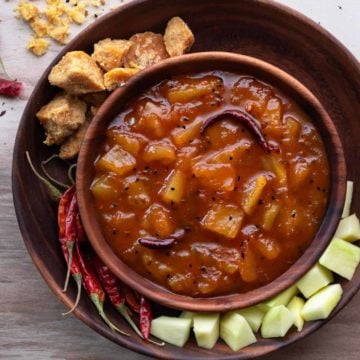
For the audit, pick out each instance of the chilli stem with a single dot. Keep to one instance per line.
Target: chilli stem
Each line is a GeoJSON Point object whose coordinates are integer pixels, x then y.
{"type": "Point", "coordinates": [55, 193]}
{"type": "Point", "coordinates": [45, 162]}
{"type": "Point", "coordinates": [100, 308]}
{"type": "Point", "coordinates": [78, 279]}
{"type": "Point", "coordinates": [69, 173]}
{"type": "Point", "coordinates": [70, 248]}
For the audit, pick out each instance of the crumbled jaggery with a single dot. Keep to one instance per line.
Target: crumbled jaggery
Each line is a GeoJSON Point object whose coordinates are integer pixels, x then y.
{"type": "Point", "coordinates": [55, 18]}
{"type": "Point", "coordinates": [38, 46]}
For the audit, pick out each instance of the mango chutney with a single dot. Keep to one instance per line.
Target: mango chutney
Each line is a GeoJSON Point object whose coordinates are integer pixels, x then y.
{"type": "Point", "coordinates": [211, 183]}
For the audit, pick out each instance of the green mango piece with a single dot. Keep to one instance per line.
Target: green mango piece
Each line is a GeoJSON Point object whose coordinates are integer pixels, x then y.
{"type": "Point", "coordinates": [173, 330]}
{"type": "Point", "coordinates": [341, 257]}
{"type": "Point", "coordinates": [321, 304]}
{"type": "Point", "coordinates": [253, 315]}
{"type": "Point", "coordinates": [235, 331]}
{"type": "Point", "coordinates": [349, 228]}
{"type": "Point", "coordinates": [206, 329]}
{"type": "Point", "coordinates": [295, 306]}
{"type": "Point", "coordinates": [188, 315]}
{"type": "Point", "coordinates": [315, 279]}
{"type": "Point", "coordinates": [277, 322]}
{"type": "Point", "coordinates": [348, 199]}
{"type": "Point", "coordinates": [280, 299]}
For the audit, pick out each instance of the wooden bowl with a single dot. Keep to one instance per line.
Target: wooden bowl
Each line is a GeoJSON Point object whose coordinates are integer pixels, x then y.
{"type": "Point", "coordinates": [195, 63]}
{"type": "Point", "coordinates": [263, 29]}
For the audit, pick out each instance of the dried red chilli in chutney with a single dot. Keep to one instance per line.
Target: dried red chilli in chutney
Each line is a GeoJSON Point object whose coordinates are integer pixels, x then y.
{"type": "Point", "coordinates": [224, 159]}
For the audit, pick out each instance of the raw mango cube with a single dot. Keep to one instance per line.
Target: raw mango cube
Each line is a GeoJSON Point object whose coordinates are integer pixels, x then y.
{"type": "Point", "coordinates": [173, 330]}
{"type": "Point", "coordinates": [341, 257]}
{"type": "Point", "coordinates": [349, 228]}
{"type": "Point", "coordinates": [270, 215]}
{"type": "Point", "coordinates": [235, 331]}
{"type": "Point", "coordinates": [117, 160]}
{"type": "Point", "coordinates": [193, 90]}
{"type": "Point", "coordinates": [273, 164]}
{"type": "Point", "coordinates": [248, 266]}
{"type": "Point", "coordinates": [252, 194]}
{"type": "Point", "coordinates": [348, 199]}
{"type": "Point", "coordinates": [231, 154]}
{"type": "Point", "coordinates": [281, 299]}
{"type": "Point", "coordinates": [277, 322]}
{"type": "Point", "coordinates": [217, 177]}
{"type": "Point", "coordinates": [159, 151]}
{"type": "Point", "coordinates": [298, 173]}
{"type": "Point", "coordinates": [130, 142]}
{"type": "Point", "coordinates": [206, 329]}
{"type": "Point", "coordinates": [105, 187]}
{"type": "Point", "coordinates": [186, 95]}
{"type": "Point", "coordinates": [295, 306]}
{"type": "Point", "coordinates": [254, 316]}
{"type": "Point", "coordinates": [315, 279]}
{"type": "Point", "coordinates": [268, 248]}
{"type": "Point", "coordinates": [188, 315]}
{"type": "Point", "coordinates": [174, 189]}
{"type": "Point", "coordinates": [223, 219]}
{"type": "Point", "coordinates": [137, 192]}
{"type": "Point", "coordinates": [320, 305]}
{"type": "Point", "coordinates": [157, 219]}
{"type": "Point", "coordinates": [293, 127]}
{"type": "Point", "coordinates": [182, 137]}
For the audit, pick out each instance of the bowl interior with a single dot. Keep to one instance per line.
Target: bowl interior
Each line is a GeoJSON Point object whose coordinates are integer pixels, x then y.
{"type": "Point", "coordinates": [200, 62]}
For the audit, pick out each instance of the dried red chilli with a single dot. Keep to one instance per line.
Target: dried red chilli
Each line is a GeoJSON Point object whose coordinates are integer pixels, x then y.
{"type": "Point", "coordinates": [155, 243]}
{"type": "Point", "coordinates": [151, 242]}
{"type": "Point", "coordinates": [74, 267]}
{"type": "Point", "coordinates": [93, 287]}
{"type": "Point", "coordinates": [80, 229]}
{"type": "Point", "coordinates": [111, 286]}
{"type": "Point", "coordinates": [10, 88]}
{"type": "Point", "coordinates": [145, 317]}
{"type": "Point", "coordinates": [131, 300]}
{"type": "Point", "coordinates": [247, 120]}
{"type": "Point", "coordinates": [71, 233]}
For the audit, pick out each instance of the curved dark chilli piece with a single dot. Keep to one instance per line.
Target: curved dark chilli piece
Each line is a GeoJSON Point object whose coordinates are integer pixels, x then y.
{"type": "Point", "coordinates": [155, 243]}
{"type": "Point", "coordinates": [247, 120]}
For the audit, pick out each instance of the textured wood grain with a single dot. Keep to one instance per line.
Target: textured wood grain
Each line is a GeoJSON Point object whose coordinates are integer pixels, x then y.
{"type": "Point", "coordinates": [31, 326]}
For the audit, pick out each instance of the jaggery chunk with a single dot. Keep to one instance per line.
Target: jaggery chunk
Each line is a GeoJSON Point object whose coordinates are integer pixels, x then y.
{"type": "Point", "coordinates": [71, 147]}
{"type": "Point", "coordinates": [77, 73]}
{"type": "Point", "coordinates": [110, 54]}
{"type": "Point", "coordinates": [61, 117]}
{"type": "Point", "coordinates": [117, 77]}
{"type": "Point", "coordinates": [148, 49]}
{"type": "Point", "coordinates": [178, 37]}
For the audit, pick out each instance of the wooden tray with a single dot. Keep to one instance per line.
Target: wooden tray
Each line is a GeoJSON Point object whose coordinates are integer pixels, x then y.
{"type": "Point", "coordinates": [262, 29]}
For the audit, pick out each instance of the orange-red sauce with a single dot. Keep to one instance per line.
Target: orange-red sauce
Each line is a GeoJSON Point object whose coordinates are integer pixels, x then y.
{"type": "Point", "coordinates": [247, 215]}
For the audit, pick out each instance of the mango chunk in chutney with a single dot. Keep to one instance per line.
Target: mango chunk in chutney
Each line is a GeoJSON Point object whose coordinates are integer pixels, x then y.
{"type": "Point", "coordinates": [245, 214]}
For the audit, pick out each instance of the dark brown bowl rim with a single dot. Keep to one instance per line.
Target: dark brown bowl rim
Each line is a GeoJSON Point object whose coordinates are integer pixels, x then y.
{"type": "Point", "coordinates": [154, 75]}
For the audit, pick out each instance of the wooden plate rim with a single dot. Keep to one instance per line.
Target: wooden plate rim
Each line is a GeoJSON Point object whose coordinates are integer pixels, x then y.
{"type": "Point", "coordinates": [20, 214]}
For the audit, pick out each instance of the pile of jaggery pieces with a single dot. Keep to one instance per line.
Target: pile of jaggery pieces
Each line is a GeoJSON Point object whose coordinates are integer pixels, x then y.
{"type": "Point", "coordinates": [87, 80]}
{"type": "Point", "coordinates": [53, 21]}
